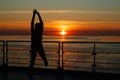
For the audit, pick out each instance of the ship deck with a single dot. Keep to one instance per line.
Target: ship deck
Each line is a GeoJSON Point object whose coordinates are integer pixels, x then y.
{"type": "Point", "coordinates": [19, 73]}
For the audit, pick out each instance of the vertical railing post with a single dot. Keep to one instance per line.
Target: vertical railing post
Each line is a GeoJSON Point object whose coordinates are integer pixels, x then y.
{"type": "Point", "coordinates": [3, 53]}
{"type": "Point", "coordinates": [62, 56]}
{"type": "Point", "coordinates": [94, 58]}
{"type": "Point", "coordinates": [6, 55]}
{"type": "Point", "coordinates": [58, 55]}
{"type": "Point", "coordinates": [60, 65]}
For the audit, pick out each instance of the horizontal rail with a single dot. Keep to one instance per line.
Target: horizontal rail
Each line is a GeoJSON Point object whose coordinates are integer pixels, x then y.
{"type": "Point", "coordinates": [30, 41]}
{"type": "Point", "coordinates": [89, 42]}
{"type": "Point", "coordinates": [61, 41]}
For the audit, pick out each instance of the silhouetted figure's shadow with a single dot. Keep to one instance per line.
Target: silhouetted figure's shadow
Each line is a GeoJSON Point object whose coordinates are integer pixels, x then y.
{"type": "Point", "coordinates": [36, 40]}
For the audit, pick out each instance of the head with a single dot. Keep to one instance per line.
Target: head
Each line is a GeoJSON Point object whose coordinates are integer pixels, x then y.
{"type": "Point", "coordinates": [38, 26]}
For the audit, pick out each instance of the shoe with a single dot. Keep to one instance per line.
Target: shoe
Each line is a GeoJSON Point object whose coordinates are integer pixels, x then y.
{"type": "Point", "coordinates": [46, 63]}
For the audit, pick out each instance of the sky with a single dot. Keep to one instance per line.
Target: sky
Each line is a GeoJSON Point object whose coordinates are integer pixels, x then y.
{"type": "Point", "coordinates": [75, 17]}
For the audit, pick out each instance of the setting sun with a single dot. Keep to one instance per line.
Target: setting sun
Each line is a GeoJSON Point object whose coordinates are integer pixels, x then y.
{"type": "Point", "coordinates": [63, 32]}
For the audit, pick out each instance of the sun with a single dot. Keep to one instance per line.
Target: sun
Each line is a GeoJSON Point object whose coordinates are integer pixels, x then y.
{"type": "Point", "coordinates": [63, 32]}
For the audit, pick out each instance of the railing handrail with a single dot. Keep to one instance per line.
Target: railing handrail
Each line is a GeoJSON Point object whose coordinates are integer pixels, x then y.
{"type": "Point", "coordinates": [88, 42]}
{"type": "Point", "coordinates": [63, 41]}
{"type": "Point", "coordinates": [26, 41]}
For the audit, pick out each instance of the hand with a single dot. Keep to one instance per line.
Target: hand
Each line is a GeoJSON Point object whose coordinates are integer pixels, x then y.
{"type": "Point", "coordinates": [34, 11]}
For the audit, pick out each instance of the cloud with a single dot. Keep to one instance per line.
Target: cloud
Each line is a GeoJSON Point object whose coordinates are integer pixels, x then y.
{"type": "Point", "coordinates": [14, 12]}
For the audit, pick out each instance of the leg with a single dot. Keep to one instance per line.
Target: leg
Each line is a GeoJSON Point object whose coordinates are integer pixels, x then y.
{"type": "Point", "coordinates": [33, 56]}
{"type": "Point", "coordinates": [43, 56]}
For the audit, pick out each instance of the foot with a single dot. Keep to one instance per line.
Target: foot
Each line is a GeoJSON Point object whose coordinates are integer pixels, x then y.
{"type": "Point", "coordinates": [46, 63]}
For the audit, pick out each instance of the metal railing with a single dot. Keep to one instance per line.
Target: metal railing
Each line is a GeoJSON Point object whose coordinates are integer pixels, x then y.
{"type": "Point", "coordinates": [91, 56]}
{"type": "Point", "coordinates": [68, 55]}
{"type": "Point", "coordinates": [18, 54]}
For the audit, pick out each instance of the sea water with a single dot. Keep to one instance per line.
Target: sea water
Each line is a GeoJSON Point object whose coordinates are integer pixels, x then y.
{"type": "Point", "coordinates": [64, 38]}
{"type": "Point", "coordinates": [75, 56]}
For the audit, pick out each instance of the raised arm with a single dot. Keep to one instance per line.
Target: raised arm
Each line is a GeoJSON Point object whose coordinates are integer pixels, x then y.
{"type": "Point", "coordinates": [33, 19]}
{"type": "Point", "coordinates": [40, 19]}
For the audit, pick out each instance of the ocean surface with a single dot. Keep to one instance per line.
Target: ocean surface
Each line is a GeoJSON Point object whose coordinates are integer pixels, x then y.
{"type": "Point", "coordinates": [64, 38]}
{"type": "Point", "coordinates": [76, 55]}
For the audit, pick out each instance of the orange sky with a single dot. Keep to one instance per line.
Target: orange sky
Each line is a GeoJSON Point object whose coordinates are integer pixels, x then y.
{"type": "Point", "coordinates": [70, 27]}
{"type": "Point", "coordinates": [74, 22]}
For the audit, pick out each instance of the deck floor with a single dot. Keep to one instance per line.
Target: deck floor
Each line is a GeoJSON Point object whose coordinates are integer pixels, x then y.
{"type": "Point", "coordinates": [41, 74]}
